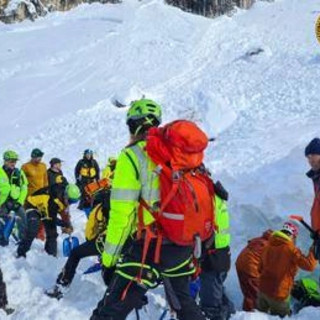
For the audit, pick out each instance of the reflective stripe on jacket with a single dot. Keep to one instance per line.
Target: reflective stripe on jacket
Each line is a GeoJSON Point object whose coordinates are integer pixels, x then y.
{"type": "Point", "coordinates": [134, 178]}
{"type": "Point", "coordinates": [16, 191]}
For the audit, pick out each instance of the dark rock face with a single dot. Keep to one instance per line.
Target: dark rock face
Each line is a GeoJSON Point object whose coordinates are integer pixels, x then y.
{"type": "Point", "coordinates": [16, 11]}
{"type": "Point", "coordinates": [212, 8]}
{"type": "Point", "coordinates": [208, 8]}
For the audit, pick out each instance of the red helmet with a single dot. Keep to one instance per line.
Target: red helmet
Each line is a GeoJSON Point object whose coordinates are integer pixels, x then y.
{"type": "Point", "coordinates": [291, 228]}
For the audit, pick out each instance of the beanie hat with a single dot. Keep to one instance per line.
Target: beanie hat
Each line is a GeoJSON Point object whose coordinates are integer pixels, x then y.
{"type": "Point", "coordinates": [313, 147]}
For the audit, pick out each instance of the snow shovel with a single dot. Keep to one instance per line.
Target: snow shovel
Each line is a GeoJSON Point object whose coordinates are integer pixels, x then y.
{"type": "Point", "coordinates": [313, 234]}
{"type": "Point", "coordinates": [69, 244]}
{"type": "Point", "coordinates": [7, 224]}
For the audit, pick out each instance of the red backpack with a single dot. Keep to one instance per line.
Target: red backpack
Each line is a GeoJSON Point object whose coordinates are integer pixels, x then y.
{"type": "Point", "coordinates": [186, 189]}
{"type": "Point", "coordinates": [186, 215]}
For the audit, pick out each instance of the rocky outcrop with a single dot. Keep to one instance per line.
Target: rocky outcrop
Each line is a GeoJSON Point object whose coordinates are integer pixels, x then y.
{"type": "Point", "coordinates": [18, 10]}
{"type": "Point", "coordinates": [21, 10]}
{"type": "Point", "coordinates": [213, 8]}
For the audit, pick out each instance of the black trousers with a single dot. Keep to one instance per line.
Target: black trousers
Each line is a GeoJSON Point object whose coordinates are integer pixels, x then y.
{"type": "Point", "coordinates": [33, 224]}
{"type": "Point", "coordinates": [111, 307]}
{"type": "Point", "coordinates": [86, 249]}
{"type": "Point", "coordinates": [3, 293]}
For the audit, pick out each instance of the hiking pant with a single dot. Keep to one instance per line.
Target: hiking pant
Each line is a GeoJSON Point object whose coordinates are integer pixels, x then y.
{"type": "Point", "coordinates": [33, 225]}
{"type": "Point", "coordinates": [274, 307]}
{"type": "Point", "coordinates": [112, 307]}
{"type": "Point", "coordinates": [249, 287]}
{"type": "Point", "coordinates": [21, 222]}
{"type": "Point", "coordinates": [213, 299]}
{"type": "Point", "coordinates": [3, 293]}
{"type": "Point", "coordinates": [86, 249]}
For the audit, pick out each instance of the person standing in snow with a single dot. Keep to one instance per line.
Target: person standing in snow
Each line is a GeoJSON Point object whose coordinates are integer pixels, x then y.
{"type": "Point", "coordinates": [134, 177]}
{"type": "Point", "coordinates": [247, 265]}
{"type": "Point", "coordinates": [36, 173]}
{"type": "Point", "coordinates": [57, 185]}
{"type": "Point", "coordinates": [86, 171]}
{"type": "Point", "coordinates": [278, 266]}
{"type": "Point", "coordinates": [44, 206]}
{"type": "Point", "coordinates": [93, 246]}
{"type": "Point", "coordinates": [13, 192]}
{"type": "Point", "coordinates": [312, 153]}
{"type": "Point", "coordinates": [108, 171]}
{"type": "Point", "coordinates": [216, 262]}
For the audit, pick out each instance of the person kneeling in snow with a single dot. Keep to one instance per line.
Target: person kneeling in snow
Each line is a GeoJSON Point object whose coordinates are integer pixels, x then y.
{"type": "Point", "coordinates": [279, 264]}
{"type": "Point", "coordinates": [247, 265]}
{"type": "Point", "coordinates": [44, 205]}
{"type": "Point", "coordinates": [93, 246]}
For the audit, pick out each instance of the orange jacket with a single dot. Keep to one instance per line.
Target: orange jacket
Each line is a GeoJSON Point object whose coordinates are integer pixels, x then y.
{"type": "Point", "coordinates": [249, 258]}
{"type": "Point", "coordinates": [279, 264]}
{"type": "Point", "coordinates": [36, 174]}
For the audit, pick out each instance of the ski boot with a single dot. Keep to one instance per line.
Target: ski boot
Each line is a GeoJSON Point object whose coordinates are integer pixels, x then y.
{"type": "Point", "coordinates": [57, 291]}
{"type": "Point", "coordinates": [8, 310]}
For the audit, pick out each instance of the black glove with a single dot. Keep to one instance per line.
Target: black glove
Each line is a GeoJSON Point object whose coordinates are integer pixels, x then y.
{"type": "Point", "coordinates": [9, 205]}
{"type": "Point", "coordinates": [16, 206]}
{"type": "Point", "coordinates": [107, 274]}
{"type": "Point", "coordinates": [220, 191]}
{"type": "Point", "coordinates": [315, 235]}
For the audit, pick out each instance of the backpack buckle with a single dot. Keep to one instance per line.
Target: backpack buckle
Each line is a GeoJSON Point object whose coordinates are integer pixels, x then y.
{"type": "Point", "coordinates": [157, 170]}
{"type": "Point", "coordinates": [197, 247]}
{"type": "Point", "coordinates": [176, 175]}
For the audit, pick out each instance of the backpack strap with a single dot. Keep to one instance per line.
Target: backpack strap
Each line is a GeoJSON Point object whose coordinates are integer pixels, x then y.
{"type": "Point", "coordinates": [133, 164]}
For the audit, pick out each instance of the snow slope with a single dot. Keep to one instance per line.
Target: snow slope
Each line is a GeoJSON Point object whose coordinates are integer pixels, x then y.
{"type": "Point", "coordinates": [59, 74]}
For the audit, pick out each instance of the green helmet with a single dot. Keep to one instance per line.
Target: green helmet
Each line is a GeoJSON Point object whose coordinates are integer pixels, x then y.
{"type": "Point", "coordinates": [143, 108]}
{"type": "Point", "coordinates": [73, 192]}
{"type": "Point", "coordinates": [10, 155]}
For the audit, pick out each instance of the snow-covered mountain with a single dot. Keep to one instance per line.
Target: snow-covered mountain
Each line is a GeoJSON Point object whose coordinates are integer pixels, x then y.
{"type": "Point", "coordinates": [249, 80]}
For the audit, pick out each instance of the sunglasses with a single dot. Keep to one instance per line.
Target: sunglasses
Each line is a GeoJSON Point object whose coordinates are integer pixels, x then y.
{"type": "Point", "coordinates": [12, 161]}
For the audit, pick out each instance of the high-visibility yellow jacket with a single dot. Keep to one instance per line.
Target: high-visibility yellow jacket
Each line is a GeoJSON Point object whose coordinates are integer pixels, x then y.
{"type": "Point", "coordinates": [222, 235]}
{"type": "Point", "coordinates": [47, 205]}
{"type": "Point", "coordinates": [13, 186]}
{"type": "Point", "coordinates": [134, 177]}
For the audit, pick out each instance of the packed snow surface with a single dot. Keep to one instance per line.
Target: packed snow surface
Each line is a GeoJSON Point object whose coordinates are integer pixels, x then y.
{"type": "Point", "coordinates": [249, 80]}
